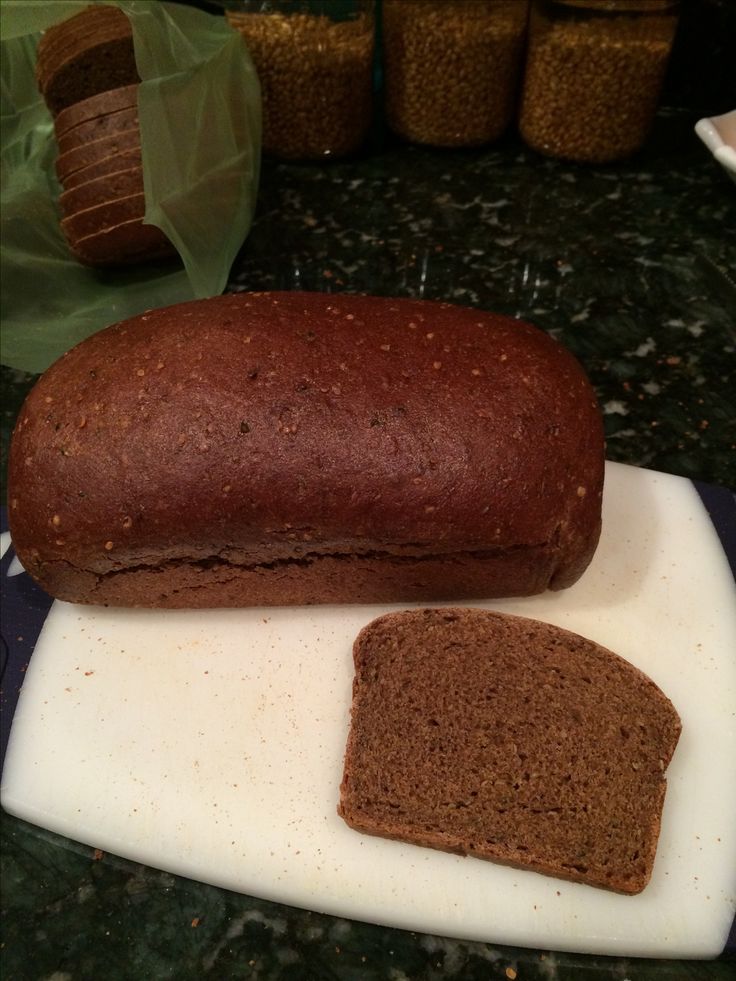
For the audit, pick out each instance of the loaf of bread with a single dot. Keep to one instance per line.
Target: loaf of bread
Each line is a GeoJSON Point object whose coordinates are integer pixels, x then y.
{"type": "Point", "coordinates": [103, 203]}
{"type": "Point", "coordinates": [510, 740]}
{"type": "Point", "coordinates": [294, 448]}
{"type": "Point", "coordinates": [86, 72]}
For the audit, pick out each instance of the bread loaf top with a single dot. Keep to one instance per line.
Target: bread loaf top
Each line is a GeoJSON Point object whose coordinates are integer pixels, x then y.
{"type": "Point", "coordinates": [261, 425]}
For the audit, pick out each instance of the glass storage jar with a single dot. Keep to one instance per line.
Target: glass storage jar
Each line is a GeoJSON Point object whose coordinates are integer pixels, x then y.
{"type": "Point", "coordinates": [593, 75]}
{"type": "Point", "coordinates": [314, 60]}
{"type": "Point", "coordinates": [451, 68]}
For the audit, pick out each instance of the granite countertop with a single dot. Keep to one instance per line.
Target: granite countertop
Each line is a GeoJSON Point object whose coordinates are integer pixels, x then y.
{"type": "Point", "coordinates": [625, 265]}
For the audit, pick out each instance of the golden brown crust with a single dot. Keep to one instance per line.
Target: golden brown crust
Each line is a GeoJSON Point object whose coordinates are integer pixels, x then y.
{"type": "Point", "coordinates": [262, 434]}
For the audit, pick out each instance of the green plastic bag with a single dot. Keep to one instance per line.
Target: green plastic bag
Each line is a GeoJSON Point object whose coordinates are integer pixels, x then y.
{"type": "Point", "coordinates": [199, 111]}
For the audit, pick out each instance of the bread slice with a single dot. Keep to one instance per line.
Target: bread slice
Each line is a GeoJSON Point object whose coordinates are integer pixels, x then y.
{"type": "Point", "coordinates": [57, 40]}
{"type": "Point", "coordinates": [507, 739]}
{"type": "Point", "coordinates": [97, 128]}
{"type": "Point", "coordinates": [82, 156]}
{"type": "Point", "coordinates": [106, 215]}
{"type": "Point", "coordinates": [108, 63]}
{"type": "Point", "coordinates": [96, 105]}
{"type": "Point", "coordinates": [82, 58]}
{"type": "Point", "coordinates": [107, 187]}
{"type": "Point", "coordinates": [123, 244]}
{"type": "Point", "coordinates": [111, 164]}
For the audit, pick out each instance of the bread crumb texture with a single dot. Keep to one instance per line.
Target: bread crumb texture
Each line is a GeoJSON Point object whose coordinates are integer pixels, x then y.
{"type": "Point", "coordinates": [508, 739]}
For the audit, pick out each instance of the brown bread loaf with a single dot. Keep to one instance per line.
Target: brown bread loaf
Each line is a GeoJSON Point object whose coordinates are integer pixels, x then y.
{"type": "Point", "coordinates": [510, 740]}
{"type": "Point", "coordinates": [111, 164]}
{"type": "Point", "coordinates": [95, 106]}
{"type": "Point", "coordinates": [88, 54]}
{"type": "Point", "coordinates": [82, 156]}
{"type": "Point", "coordinates": [292, 448]}
{"type": "Point", "coordinates": [97, 128]}
{"type": "Point", "coordinates": [102, 189]}
{"type": "Point", "coordinates": [95, 219]}
{"type": "Point", "coordinates": [123, 244]}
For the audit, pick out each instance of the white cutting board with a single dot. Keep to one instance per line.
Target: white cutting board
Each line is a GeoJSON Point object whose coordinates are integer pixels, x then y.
{"type": "Point", "coordinates": [210, 744]}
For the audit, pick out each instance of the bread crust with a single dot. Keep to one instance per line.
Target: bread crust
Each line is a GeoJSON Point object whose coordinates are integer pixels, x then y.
{"type": "Point", "coordinates": [511, 740]}
{"type": "Point", "coordinates": [282, 437]}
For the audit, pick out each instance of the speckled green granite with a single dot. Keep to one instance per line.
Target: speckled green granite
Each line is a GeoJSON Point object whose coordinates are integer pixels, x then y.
{"type": "Point", "coordinates": [70, 914]}
{"type": "Point", "coordinates": [620, 263]}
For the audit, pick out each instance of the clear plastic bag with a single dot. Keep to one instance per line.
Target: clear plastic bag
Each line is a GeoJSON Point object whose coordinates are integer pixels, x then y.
{"type": "Point", "coordinates": [200, 120]}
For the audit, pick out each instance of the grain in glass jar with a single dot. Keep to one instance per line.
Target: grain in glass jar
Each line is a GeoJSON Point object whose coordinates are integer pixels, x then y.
{"type": "Point", "coordinates": [451, 68]}
{"type": "Point", "coordinates": [594, 75]}
{"type": "Point", "coordinates": [314, 60]}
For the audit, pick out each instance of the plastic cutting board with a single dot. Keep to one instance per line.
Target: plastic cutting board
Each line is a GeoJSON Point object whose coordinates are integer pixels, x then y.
{"type": "Point", "coordinates": [210, 744]}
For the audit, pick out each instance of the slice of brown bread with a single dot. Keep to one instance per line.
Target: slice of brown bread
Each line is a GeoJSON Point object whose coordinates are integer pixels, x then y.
{"type": "Point", "coordinates": [93, 14]}
{"type": "Point", "coordinates": [58, 39]}
{"type": "Point", "coordinates": [112, 212]}
{"type": "Point", "coordinates": [82, 156]}
{"type": "Point", "coordinates": [107, 64]}
{"type": "Point", "coordinates": [98, 57]}
{"type": "Point", "coordinates": [129, 242]}
{"type": "Point", "coordinates": [96, 105]}
{"type": "Point", "coordinates": [107, 187]}
{"type": "Point", "coordinates": [507, 739]}
{"type": "Point", "coordinates": [50, 60]}
{"type": "Point", "coordinates": [108, 165]}
{"type": "Point", "coordinates": [98, 128]}
{"type": "Point", "coordinates": [54, 52]}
